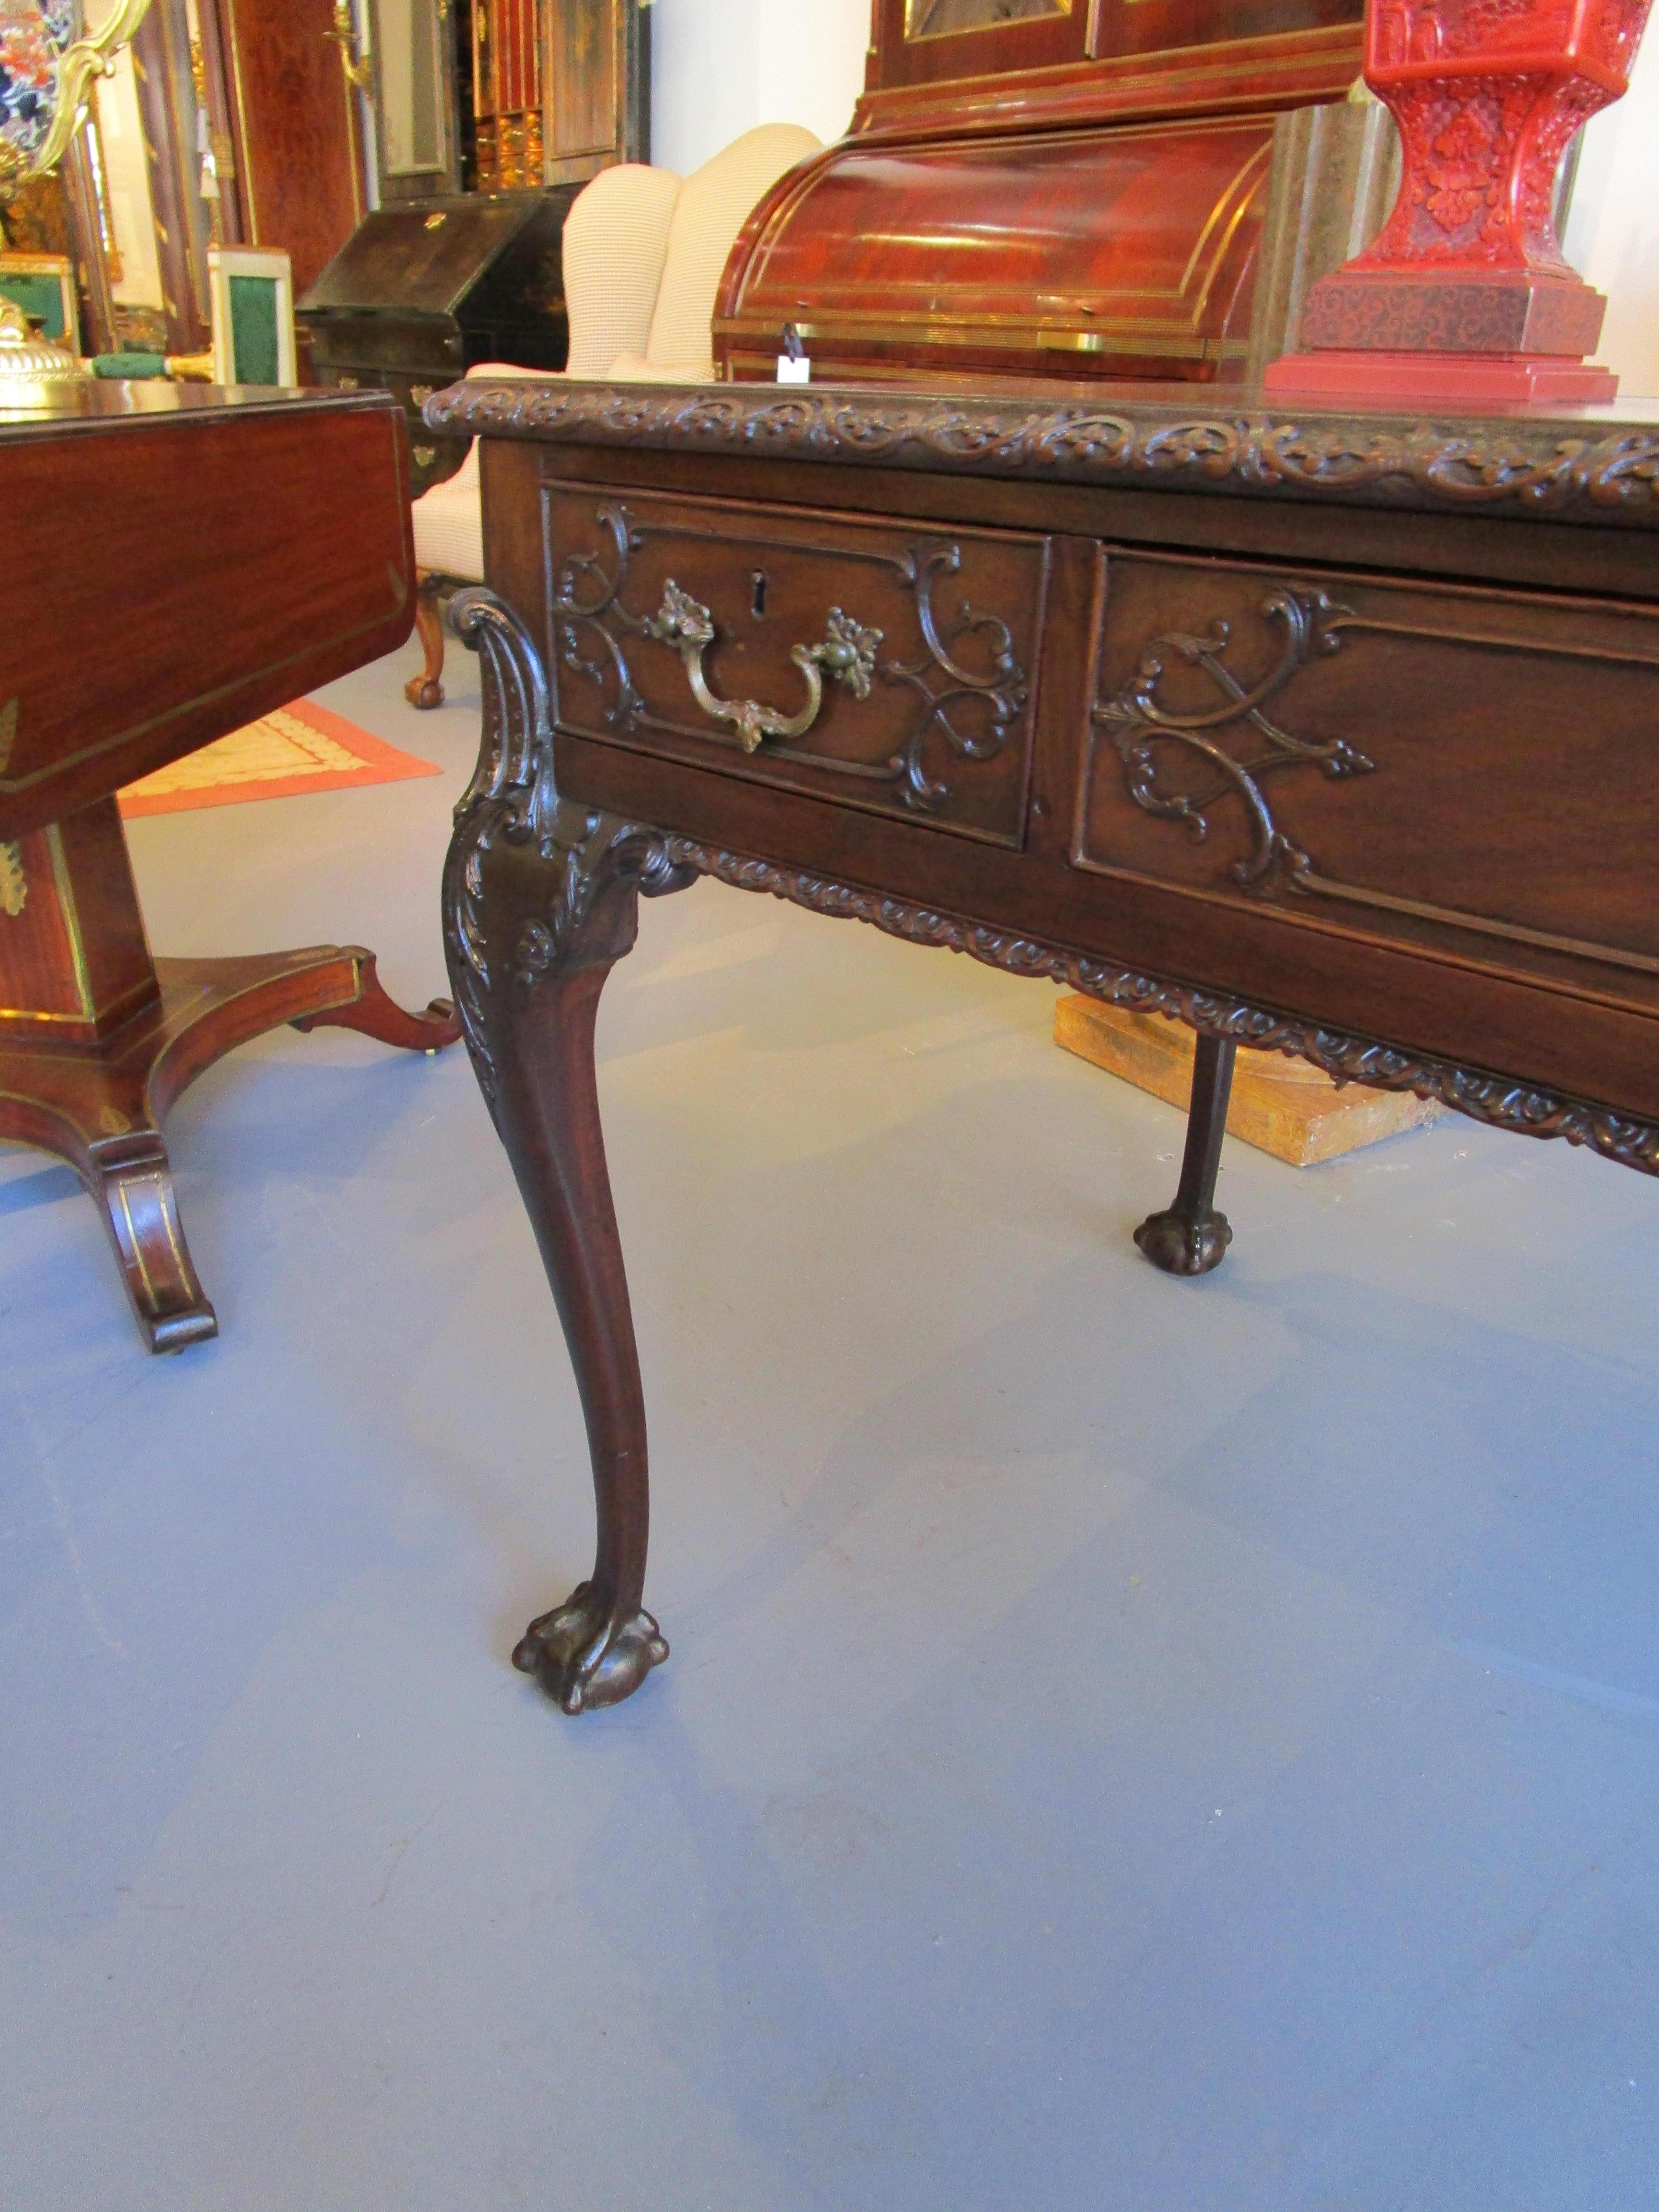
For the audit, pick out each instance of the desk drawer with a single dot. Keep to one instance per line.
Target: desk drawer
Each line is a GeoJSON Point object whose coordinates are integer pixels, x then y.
{"type": "Point", "coordinates": [881, 666]}
{"type": "Point", "coordinates": [1477, 772]}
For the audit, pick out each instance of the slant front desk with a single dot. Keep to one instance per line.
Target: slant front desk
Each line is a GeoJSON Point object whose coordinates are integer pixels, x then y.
{"type": "Point", "coordinates": [1334, 736]}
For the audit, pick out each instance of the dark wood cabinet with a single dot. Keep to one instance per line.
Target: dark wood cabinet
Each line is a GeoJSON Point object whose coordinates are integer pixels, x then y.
{"type": "Point", "coordinates": [296, 131]}
{"type": "Point", "coordinates": [425, 289]}
{"type": "Point", "coordinates": [490, 116]}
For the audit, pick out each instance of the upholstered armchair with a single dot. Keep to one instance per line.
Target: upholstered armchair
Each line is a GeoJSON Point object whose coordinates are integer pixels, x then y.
{"type": "Point", "coordinates": [644, 253]}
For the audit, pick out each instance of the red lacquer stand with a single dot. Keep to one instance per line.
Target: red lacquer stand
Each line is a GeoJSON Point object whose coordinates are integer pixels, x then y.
{"type": "Point", "coordinates": [1466, 298]}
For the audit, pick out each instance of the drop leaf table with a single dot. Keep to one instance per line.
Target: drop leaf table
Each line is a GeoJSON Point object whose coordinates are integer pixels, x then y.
{"type": "Point", "coordinates": [181, 561]}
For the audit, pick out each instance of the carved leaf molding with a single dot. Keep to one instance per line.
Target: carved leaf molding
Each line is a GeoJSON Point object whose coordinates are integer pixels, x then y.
{"type": "Point", "coordinates": [1499, 1101]}
{"type": "Point", "coordinates": [1560, 471]}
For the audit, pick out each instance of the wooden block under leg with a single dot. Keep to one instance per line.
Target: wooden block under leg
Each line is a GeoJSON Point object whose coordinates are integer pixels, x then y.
{"type": "Point", "coordinates": [1281, 1106]}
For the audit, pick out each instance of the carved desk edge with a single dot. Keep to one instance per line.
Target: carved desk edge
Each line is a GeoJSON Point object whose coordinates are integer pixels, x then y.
{"type": "Point", "coordinates": [582, 849]}
{"type": "Point", "coordinates": [1593, 468]}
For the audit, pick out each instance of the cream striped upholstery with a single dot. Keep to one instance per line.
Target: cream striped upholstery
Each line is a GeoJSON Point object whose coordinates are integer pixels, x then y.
{"type": "Point", "coordinates": [449, 519]}
{"type": "Point", "coordinates": [714, 206]}
{"type": "Point", "coordinates": [643, 258]}
{"type": "Point", "coordinates": [616, 240]}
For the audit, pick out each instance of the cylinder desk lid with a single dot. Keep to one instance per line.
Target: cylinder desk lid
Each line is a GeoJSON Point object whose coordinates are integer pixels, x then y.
{"type": "Point", "coordinates": [1042, 188]}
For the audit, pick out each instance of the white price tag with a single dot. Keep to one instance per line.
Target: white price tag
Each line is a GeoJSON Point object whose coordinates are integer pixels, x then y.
{"type": "Point", "coordinates": [794, 372]}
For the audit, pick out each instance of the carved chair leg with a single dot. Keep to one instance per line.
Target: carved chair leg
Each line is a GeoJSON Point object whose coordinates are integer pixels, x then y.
{"type": "Point", "coordinates": [427, 689]}
{"type": "Point", "coordinates": [541, 900]}
{"type": "Point", "coordinates": [1192, 1238]}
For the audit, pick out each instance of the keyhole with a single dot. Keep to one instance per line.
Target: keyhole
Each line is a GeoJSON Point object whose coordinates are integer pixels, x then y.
{"type": "Point", "coordinates": [760, 595]}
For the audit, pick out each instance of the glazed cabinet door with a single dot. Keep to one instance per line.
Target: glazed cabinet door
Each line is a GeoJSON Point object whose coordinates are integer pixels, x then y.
{"type": "Point", "coordinates": [1122, 29]}
{"type": "Point", "coordinates": [414, 97]}
{"type": "Point", "coordinates": [599, 86]}
{"type": "Point", "coordinates": [927, 41]}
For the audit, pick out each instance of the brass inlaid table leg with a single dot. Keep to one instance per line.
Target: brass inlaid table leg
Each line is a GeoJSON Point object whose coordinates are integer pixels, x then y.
{"type": "Point", "coordinates": [97, 1042]}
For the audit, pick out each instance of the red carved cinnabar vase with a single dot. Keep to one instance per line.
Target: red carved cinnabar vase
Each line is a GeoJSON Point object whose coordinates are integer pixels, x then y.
{"type": "Point", "coordinates": [1465, 295]}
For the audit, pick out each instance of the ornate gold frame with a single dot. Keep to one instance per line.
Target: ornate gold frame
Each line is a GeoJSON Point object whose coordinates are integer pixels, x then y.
{"type": "Point", "coordinates": [60, 266]}
{"type": "Point", "coordinates": [87, 58]}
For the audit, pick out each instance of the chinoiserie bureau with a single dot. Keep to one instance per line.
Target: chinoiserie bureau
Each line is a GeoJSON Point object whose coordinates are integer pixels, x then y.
{"type": "Point", "coordinates": [1333, 735]}
{"type": "Point", "coordinates": [183, 560]}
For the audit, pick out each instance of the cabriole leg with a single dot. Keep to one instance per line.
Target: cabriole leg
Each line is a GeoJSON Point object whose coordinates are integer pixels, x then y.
{"type": "Point", "coordinates": [1191, 1238]}
{"type": "Point", "coordinates": [600, 1646]}
{"type": "Point", "coordinates": [426, 690]}
{"type": "Point", "coordinates": [541, 900]}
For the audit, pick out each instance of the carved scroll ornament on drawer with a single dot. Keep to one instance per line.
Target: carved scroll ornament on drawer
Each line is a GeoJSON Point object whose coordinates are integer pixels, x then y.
{"type": "Point", "coordinates": [1178, 766]}
{"type": "Point", "coordinates": [1421, 754]}
{"type": "Point", "coordinates": [967, 688]}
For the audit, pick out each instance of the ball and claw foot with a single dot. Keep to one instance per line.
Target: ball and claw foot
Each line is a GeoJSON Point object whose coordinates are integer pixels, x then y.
{"type": "Point", "coordinates": [584, 1658]}
{"type": "Point", "coordinates": [424, 692]}
{"type": "Point", "coordinates": [1182, 1245]}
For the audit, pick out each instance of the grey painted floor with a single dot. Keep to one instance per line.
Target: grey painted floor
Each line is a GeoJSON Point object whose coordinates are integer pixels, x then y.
{"type": "Point", "coordinates": [1128, 1745]}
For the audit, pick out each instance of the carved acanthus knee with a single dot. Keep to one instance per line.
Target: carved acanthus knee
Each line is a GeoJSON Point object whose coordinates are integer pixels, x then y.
{"type": "Point", "coordinates": [541, 897]}
{"type": "Point", "coordinates": [535, 886]}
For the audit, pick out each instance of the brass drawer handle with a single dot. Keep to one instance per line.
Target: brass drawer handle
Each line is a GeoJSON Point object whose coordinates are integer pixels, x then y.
{"type": "Point", "coordinates": [847, 655]}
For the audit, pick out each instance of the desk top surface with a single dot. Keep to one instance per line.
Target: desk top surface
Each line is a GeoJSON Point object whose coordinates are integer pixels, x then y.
{"type": "Point", "coordinates": [1579, 466]}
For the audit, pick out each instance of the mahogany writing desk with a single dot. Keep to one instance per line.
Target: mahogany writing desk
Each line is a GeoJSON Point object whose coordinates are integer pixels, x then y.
{"type": "Point", "coordinates": [1333, 735]}
{"type": "Point", "coordinates": [181, 560]}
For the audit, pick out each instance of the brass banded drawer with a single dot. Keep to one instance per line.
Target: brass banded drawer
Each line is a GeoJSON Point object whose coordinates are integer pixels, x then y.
{"type": "Point", "coordinates": [882, 666]}
{"type": "Point", "coordinates": [1419, 764]}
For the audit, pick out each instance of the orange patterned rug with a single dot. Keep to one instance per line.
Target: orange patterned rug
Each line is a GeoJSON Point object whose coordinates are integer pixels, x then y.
{"type": "Point", "coordinates": [303, 747]}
